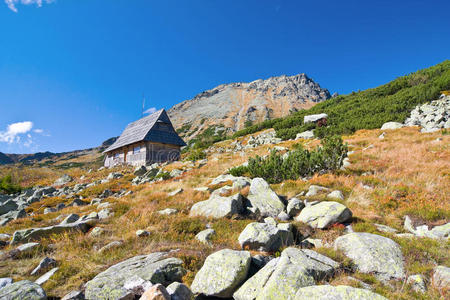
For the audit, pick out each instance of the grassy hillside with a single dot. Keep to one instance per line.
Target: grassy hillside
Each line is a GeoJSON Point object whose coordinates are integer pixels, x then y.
{"type": "Point", "coordinates": [367, 109]}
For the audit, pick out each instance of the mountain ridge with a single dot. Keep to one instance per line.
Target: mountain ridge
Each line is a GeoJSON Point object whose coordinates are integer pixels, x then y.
{"type": "Point", "coordinates": [233, 106]}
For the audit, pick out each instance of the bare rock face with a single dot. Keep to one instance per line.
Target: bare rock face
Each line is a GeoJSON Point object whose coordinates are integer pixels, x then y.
{"type": "Point", "coordinates": [230, 106]}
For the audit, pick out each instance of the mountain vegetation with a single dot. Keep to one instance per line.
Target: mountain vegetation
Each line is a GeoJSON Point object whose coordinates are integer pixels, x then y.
{"type": "Point", "coordinates": [367, 109]}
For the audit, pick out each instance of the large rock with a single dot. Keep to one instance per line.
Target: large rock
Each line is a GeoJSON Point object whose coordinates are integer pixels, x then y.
{"type": "Point", "coordinates": [263, 200]}
{"type": "Point", "coordinates": [340, 292]}
{"type": "Point", "coordinates": [44, 278]}
{"type": "Point", "coordinates": [65, 179]}
{"type": "Point", "coordinates": [156, 267]}
{"type": "Point", "coordinates": [324, 214]}
{"type": "Point", "coordinates": [44, 264]}
{"type": "Point", "coordinates": [8, 206]}
{"type": "Point", "coordinates": [314, 118]}
{"type": "Point", "coordinates": [179, 291]}
{"type": "Point", "coordinates": [222, 273]}
{"type": "Point", "coordinates": [309, 134]}
{"type": "Point", "coordinates": [373, 253]}
{"type": "Point", "coordinates": [218, 207]}
{"type": "Point", "coordinates": [266, 236]}
{"type": "Point", "coordinates": [294, 207]}
{"type": "Point", "coordinates": [391, 125]}
{"type": "Point", "coordinates": [23, 290]}
{"type": "Point", "coordinates": [283, 276]}
{"type": "Point", "coordinates": [441, 277]}
{"type": "Point", "coordinates": [32, 234]}
{"type": "Point", "coordinates": [316, 189]}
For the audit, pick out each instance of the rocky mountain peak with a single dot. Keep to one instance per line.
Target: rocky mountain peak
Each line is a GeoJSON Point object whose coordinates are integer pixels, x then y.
{"type": "Point", "coordinates": [232, 106]}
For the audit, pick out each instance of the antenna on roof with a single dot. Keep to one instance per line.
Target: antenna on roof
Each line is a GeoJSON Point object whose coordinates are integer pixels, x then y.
{"type": "Point", "coordinates": [143, 104]}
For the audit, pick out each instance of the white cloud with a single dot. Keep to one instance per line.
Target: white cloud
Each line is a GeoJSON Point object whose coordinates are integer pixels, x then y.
{"type": "Point", "coordinates": [38, 130]}
{"type": "Point", "coordinates": [13, 131]}
{"type": "Point", "coordinates": [12, 3]}
{"type": "Point", "coordinates": [150, 110]}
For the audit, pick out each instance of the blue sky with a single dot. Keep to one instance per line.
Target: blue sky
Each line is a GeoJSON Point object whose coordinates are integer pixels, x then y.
{"type": "Point", "coordinates": [72, 72]}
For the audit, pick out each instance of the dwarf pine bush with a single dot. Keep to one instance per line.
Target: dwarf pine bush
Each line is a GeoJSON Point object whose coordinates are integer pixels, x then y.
{"type": "Point", "coordinates": [298, 163]}
{"type": "Point", "coordinates": [8, 186]}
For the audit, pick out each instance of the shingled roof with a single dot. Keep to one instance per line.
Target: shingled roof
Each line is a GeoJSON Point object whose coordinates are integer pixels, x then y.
{"type": "Point", "coordinates": [148, 129]}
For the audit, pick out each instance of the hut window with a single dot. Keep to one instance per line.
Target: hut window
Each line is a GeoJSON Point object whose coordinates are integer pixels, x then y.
{"type": "Point", "coordinates": [136, 149]}
{"type": "Point", "coordinates": [116, 155]}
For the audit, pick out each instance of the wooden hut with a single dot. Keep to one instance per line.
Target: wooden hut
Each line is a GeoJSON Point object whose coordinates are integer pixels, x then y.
{"type": "Point", "coordinates": [146, 141]}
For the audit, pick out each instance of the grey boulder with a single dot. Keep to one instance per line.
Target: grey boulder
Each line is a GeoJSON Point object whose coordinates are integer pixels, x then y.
{"type": "Point", "coordinates": [179, 291]}
{"type": "Point", "coordinates": [441, 277]}
{"type": "Point", "coordinates": [218, 207]}
{"type": "Point", "coordinates": [294, 207]}
{"type": "Point", "coordinates": [340, 292]}
{"type": "Point", "coordinates": [222, 273]}
{"type": "Point", "coordinates": [156, 267]}
{"type": "Point", "coordinates": [324, 214]}
{"type": "Point", "coordinates": [281, 277]}
{"type": "Point", "coordinates": [38, 233]}
{"type": "Point", "coordinates": [391, 125]}
{"type": "Point", "coordinates": [373, 253]}
{"type": "Point", "coordinates": [23, 290]}
{"type": "Point", "coordinates": [65, 179]}
{"type": "Point", "coordinates": [44, 264]}
{"type": "Point", "coordinates": [266, 236]}
{"type": "Point", "coordinates": [263, 200]}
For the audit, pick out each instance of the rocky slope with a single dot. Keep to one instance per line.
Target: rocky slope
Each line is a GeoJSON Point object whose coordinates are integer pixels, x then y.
{"type": "Point", "coordinates": [233, 105]}
{"type": "Point", "coordinates": [190, 228]}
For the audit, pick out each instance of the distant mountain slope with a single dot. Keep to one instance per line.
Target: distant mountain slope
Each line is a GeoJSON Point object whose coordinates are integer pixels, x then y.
{"type": "Point", "coordinates": [235, 105]}
{"type": "Point", "coordinates": [367, 109]}
{"type": "Point", "coordinates": [4, 159]}
{"type": "Point", "coordinates": [51, 157]}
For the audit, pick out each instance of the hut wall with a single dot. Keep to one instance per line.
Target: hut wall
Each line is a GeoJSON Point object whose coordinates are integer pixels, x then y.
{"type": "Point", "coordinates": [158, 152]}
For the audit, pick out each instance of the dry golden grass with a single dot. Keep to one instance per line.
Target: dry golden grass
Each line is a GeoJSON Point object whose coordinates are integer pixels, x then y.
{"type": "Point", "coordinates": [407, 172]}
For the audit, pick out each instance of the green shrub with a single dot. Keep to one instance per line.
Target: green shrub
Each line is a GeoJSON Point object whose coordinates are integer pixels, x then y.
{"type": "Point", "coordinates": [298, 163]}
{"type": "Point", "coordinates": [8, 186]}
{"type": "Point", "coordinates": [164, 175]}
{"type": "Point", "coordinates": [196, 154]}
{"type": "Point", "coordinates": [367, 109]}
{"type": "Point", "coordinates": [238, 171]}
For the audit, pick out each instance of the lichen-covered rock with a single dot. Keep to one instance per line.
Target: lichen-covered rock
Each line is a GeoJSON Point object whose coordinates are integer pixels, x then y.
{"type": "Point", "coordinates": [219, 207]}
{"type": "Point", "coordinates": [391, 125]}
{"type": "Point", "coordinates": [38, 233]}
{"type": "Point", "coordinates": [373, 253]}
{"type": "Point", "coordinates": [23, 290]}
{"type": "Point", "coordinates": [324, 214]}
{"type": "Point", "coordinates": [417, 283]}
{"type": "Point", "coordinates": [44, 264]}
{"type": "Point", "coordinates": [294, 207]}
{"type": "Point", "coordinates": [63, 180]}
{"type": "Point", "coordinates": [316, 189]}
{"type": "Point", "coordinates": [222, 273]}
{"type": "Point", "coordinates": [168, 211]}
{"type": "Point", "coordinates": [8, 206]}
{"type": "Point", "coordinates": [336, 195]}
{"type": "Point", "coordinates": [265, 237]}
{"type": "Point", "coordinates": [341, 292]}
{"type": "Point", "coordinates": [281, 277]}
{"type": "Point", "coordinates": [441, 277]}
{"type": "Point", "coordinates": [179, 291]}
{"type": "Point", "coordinates": [309, 134]}
{"type": "Point", "coordinates": [156, 267]}
{"type": "Point", "coordinates": [263, 200]}
{"type": "Point", "coordinates": [205, 236]}
{"type": "Point", "coordinates": [44, 278]}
